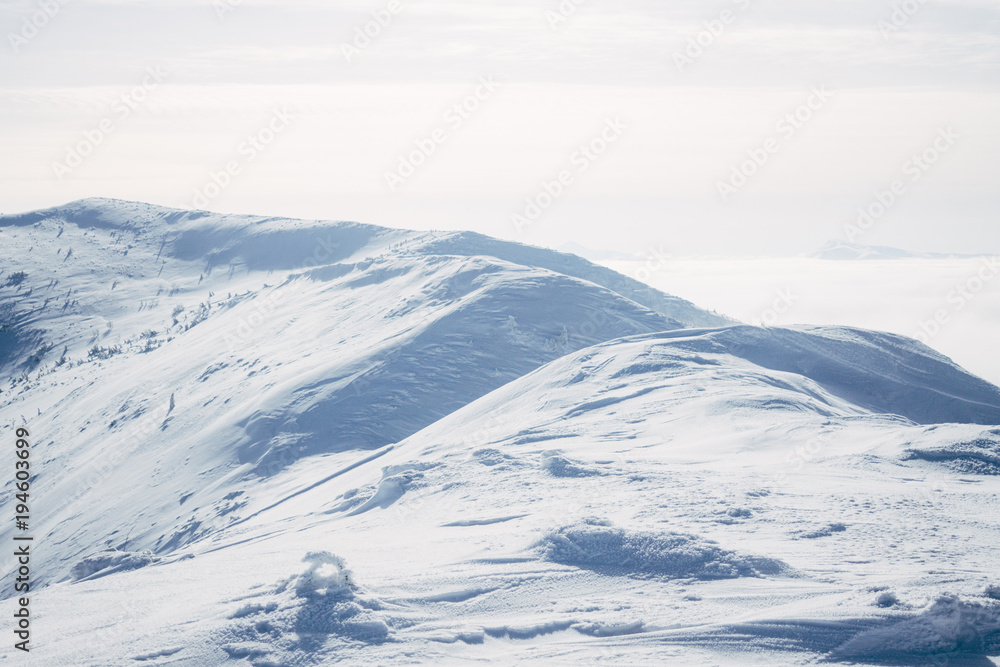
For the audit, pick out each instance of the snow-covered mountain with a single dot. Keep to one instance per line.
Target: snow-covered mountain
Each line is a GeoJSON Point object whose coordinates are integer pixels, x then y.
{"type": "Point", "coordinates": [280, 442]}
{"type": "Point", "coordinates": [843, 250]}
{"type": "Point", "coordinates": [280, 339]}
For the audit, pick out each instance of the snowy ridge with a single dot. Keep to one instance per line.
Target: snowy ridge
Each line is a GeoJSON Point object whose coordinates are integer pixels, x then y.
{"type": "Point", "coordinates": [880, 372]}
{"type": "Point", "coordinates": [329, 337]}
{"type": "Point", "coordinates": [449, 447]}
{"type": "Point", "coordinates": [268, 244]}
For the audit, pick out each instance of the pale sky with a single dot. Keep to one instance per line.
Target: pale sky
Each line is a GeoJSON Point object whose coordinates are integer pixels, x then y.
{"type": "Point", "coordinates": [667, 121]}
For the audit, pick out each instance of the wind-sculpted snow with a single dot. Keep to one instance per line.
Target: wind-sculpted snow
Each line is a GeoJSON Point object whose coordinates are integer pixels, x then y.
{"type": "Point", "coordinates": [292, 620]}
{"type": "Point", "coordinates": [21, 345]}
{"type": "Point", "coordinates": [950, 626]}
{"type": "Point", "coordinates": [978, 456]}
{"type": "Point", "coordinates": [108, 562]}
{"type": "Point", "coordinates": [599, 546]}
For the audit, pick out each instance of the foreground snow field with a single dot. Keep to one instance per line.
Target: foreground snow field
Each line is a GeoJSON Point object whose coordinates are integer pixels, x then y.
{"type": "Point", "coordinates": [275, 442]}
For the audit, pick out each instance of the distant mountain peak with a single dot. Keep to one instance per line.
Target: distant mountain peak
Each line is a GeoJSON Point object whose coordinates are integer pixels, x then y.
{"type": "Point", "coordinates": [843, 250]}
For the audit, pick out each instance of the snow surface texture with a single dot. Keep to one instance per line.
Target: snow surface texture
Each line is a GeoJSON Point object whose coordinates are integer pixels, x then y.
{"type": "Point", "coordinates": [671, 555]}
{"type": "Point", "coordinates": [278, 442]}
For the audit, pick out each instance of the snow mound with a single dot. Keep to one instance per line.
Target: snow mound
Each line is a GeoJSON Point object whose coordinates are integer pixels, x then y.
{"type": "Point", "coordinates": [327, 575]}
{"type": "Point", "coordinates": [303, 614]}
{"type": "Point", "coordinates": [822, 531]}
{"type": "Point", "coordinates": [949, 626]}
{"type": "Point", "coordinates": [557, 465]}
{"type": "Point", "coordinates": [597, 546]}
{"type": "Point", "coordinates": [980, 456]}
{"type": "Point", "coordinates": [109, 562]}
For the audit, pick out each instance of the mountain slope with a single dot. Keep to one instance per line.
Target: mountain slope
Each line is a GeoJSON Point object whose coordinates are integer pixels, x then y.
{"type": "Point", "coordinates": [659, 497]}
{"type": "Point", "coordinates": [273, 442]}
{"type": "Point", "coordinates": [202, 351]}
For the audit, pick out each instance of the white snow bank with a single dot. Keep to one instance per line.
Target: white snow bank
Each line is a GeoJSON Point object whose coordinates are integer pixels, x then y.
{"type": "Point", "coordinates": [327, 575]}
{"type": "Point", "coordinates": [111, 561]}
{"type": "Point", "coordinates": [977, 456]}
{"type": "Point", "coordinates": [949, 625]}
{"type": "Point", "coordinates": [557, 465]}
{"type": "Point", "coordinates": [303, 614]}
{"type": "Point", "coordinates": [597, 546]}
